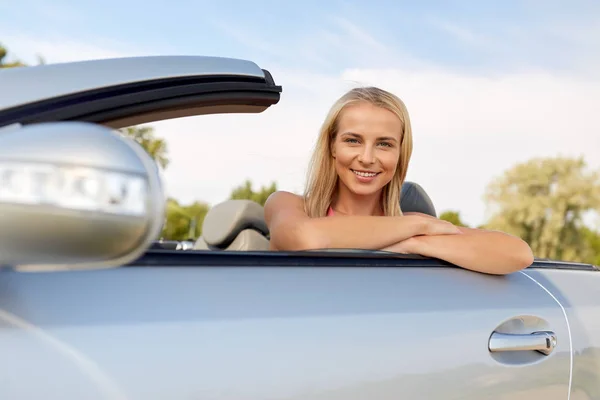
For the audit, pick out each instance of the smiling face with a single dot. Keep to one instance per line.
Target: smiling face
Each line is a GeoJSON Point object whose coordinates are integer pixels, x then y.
{"type": "Point", "coordinates": [366, 149]}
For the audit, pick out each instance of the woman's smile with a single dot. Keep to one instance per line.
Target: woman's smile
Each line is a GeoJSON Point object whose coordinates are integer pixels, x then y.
{"type": "Point", "coordinates": [365, 176]}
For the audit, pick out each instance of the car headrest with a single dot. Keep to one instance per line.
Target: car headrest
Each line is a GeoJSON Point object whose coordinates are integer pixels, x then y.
{"type": "Point", "coordinates": [414, 199]}
{"type": "Point", "coordinates": [226, 220]}
{"type": "Point", "coordinates": [249, 240]}
{"type": "Point", "coordinates": [200, 244]}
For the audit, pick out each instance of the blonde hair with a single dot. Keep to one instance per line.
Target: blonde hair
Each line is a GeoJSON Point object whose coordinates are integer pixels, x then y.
{"type": "Point", "coordinates": [322, 176]}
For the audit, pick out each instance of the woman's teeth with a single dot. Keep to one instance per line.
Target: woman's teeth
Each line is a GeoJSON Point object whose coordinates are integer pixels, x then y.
{"type": "Point", "coordinates": [365, 174]}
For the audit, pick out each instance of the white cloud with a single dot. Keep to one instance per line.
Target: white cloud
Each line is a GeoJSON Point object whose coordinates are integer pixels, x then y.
{"type": "Point", "coordinates": [460, 33]}
{"type": "Point", "coordinates": [61, 48]}
{"type": "Point", "coordinates": [557, 38]}
{"type": "Point", "coordinates": [249, 39]}
{"type": "Point", "coordinates": [359, 37]}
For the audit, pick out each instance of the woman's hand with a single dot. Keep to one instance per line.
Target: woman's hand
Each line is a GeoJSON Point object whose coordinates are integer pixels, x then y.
{"type": "Point", "coordinates": [434, 226]}
{"type": "Point", "coordinates": [489, 252]}
{"type": "Point", "coordinates": [431, 227]}
{"type": "Point", "coordinates": [479, 250]}
{"type": "Point", "coordinates": [408, 246]}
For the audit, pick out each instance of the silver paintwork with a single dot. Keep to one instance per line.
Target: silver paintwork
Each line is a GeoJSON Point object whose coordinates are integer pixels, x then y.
{"type": "Point", "coordinates": [26, 85]}
{"type": "Point", "coordinates": [578, 292]}
{"type": "Point", "coordinates": [72, 143]}
{"type": "Point", "coordinates": [276, 333]}
{"type": "Point", "coordinates": [303, 332]}
{"type": "Point", "coordinates": [43, 230]}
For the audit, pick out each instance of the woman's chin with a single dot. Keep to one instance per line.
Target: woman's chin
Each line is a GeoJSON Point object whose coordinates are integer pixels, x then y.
{"type": "Point", "coordinates": [363, 187]}
{"type": "Point", "coordinates": [365, 190]}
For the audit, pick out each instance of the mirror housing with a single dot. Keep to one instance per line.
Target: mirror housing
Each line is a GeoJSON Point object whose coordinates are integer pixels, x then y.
{"type": "Point", "coordinates": [75, 195]}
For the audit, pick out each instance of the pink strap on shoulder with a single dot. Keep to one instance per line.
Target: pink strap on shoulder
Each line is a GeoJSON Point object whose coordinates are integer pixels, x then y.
{"type": "Point", "coordinates": [330, 212]}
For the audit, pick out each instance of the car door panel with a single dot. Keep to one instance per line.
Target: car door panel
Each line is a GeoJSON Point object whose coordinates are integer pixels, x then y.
{"type": "Point", "coordinates": [577, 288]}
{"type": "Point", "coordinates": [321, 332]}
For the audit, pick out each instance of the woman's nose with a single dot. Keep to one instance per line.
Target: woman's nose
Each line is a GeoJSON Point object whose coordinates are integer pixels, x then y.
{"type": "Point", "coordinates": [366, 156]}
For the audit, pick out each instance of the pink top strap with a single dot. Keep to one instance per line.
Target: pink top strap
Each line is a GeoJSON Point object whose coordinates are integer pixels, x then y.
{"type": "Point", "coordinates": [330, 212]}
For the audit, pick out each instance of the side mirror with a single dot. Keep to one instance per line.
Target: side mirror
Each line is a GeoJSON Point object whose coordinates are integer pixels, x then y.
{"type": "Point", "coordinates": [75, 195]}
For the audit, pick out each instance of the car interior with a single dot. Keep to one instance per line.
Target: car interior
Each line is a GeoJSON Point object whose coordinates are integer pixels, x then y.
{"type": "Point", "coordinates": [239, 225]}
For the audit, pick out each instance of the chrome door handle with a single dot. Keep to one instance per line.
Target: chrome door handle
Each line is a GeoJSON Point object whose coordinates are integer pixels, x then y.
{"type": "Point", "coordinates": [543, 342]}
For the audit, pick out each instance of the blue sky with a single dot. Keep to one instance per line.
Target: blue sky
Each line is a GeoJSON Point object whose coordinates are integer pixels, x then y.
{"type": "Point", "coordinates": [474, 35]}
{"type": "Point", "coordinates": [488, 84]}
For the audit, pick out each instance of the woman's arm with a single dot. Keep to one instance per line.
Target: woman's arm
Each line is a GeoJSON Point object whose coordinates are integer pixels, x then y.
{"type": "Point", "coordinates": [479, 250]}
{"type": "Point", "coordinates": [291, 229]}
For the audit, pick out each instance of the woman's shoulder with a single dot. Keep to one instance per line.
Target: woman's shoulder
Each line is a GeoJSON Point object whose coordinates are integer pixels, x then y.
{"type": "Point", "coordinates": [284, 199]}
{"type": "Point", "coordinates": [282, 204]}
{"type": "Point", "coordinates": [282, 195]}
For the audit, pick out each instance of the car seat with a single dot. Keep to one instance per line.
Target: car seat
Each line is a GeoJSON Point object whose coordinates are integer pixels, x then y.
{"type": "Point", "coordinates": [415, 199]}
{"type": "Point", "coordinates": [234, 225]}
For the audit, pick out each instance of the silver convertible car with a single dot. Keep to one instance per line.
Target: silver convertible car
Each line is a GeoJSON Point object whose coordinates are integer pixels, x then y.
{"type": "Point", "coordinates": [92, 306]}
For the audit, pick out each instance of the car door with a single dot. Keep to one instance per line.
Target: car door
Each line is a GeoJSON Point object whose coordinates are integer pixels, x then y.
{"type": "Point", "coordinates": [577, 287]}
{"type": "Point", "coordinates": [360, 327]}
{"type": "Point", "coordinates": [236, 325]}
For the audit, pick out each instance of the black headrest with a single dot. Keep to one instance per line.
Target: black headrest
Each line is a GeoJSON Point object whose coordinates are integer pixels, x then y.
{"type": "Point", "coordinates": [415, 199]}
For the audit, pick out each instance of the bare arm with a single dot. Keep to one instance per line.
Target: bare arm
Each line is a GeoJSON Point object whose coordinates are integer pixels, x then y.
{"type": "Point", "coordinates": [479, 250]}
{"type": "Point", "coordinates": [292, 229]}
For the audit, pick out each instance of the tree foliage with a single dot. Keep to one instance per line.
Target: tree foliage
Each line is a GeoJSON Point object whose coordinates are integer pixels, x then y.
{"type": "Point", "coordinates": [4, 64]}
{"type": "Point", "coordinates": [145, 137]}
{"type": "Point", "coordinates": [592, 246]}
{"type": "Point", "coordinates": [184, 221]}
{"type": "Point", "coordinates": [544, 201]}
{"type": "Point", "coordinates": [453, 217]}
{"type": "Point", "coordinates": [245, 191]}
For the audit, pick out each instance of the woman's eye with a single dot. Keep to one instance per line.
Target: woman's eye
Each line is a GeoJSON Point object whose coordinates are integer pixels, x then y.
{"type": "Point", "coordinates": [386, 144]}
{"type": "Point", "coordinates": [350, 140]}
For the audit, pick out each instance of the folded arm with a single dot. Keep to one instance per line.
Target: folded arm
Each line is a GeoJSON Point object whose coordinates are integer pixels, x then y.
{"type": "Point", "coordinates": [292, 229]}
{"type": "Point", "coordinates": [479, 250]}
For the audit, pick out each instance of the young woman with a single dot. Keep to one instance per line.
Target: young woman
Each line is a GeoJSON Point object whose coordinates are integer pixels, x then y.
{"type": "Point", "coordinates": [352, 199]}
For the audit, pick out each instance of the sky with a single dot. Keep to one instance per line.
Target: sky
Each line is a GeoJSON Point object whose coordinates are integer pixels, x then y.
{"type": "Point", "coordinates": [487, 84]}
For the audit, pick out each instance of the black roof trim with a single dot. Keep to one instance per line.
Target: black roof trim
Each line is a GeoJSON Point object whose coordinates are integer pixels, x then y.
{"type": "Point", "coordinates": [77, 106]}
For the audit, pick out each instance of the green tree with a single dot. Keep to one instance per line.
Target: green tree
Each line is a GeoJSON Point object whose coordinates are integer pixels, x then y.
{"type": "Point", "coordinates": [4, 64]}
{"type": "Point", "coordinates": [184, 221]}
{"type": "Point", "coordinates": [543, 201]}
{"type": "Point", "coordinates": [592, 241]}
{"type": "Point", "coordinates": [245, 191]}
{"type": "Point", "coordinates": [452, 217]}
{"type": "Point", "coordinates": [144, 136]}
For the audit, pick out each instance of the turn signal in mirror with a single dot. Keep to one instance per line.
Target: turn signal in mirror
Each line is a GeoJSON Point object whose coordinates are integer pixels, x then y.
{"type": "Point", "coordinates": [75, 195]}
{"type": "Point", "coordinates": [85, 189]}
